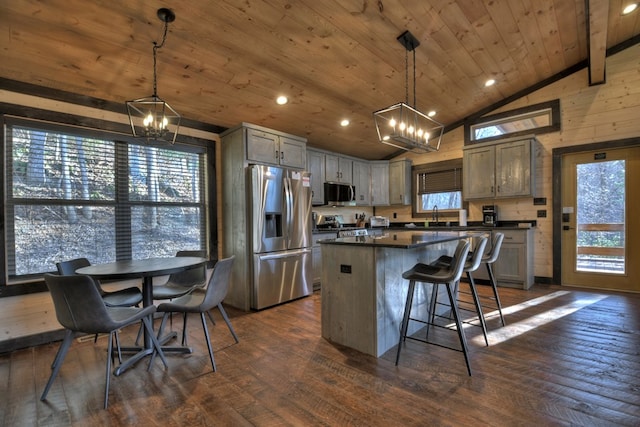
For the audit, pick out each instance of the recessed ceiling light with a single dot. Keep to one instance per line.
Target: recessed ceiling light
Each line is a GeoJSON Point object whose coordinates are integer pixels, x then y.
{"type": "Point", "coordinates": [489, 82]}
{"type": "Point", "coordinates": [282, 100]}
{"type": "Point", "coordinates": [431, 113]}
{"type": "Point", "coordinates": [344, 122]}
{"type": "Point", "coordinates": [629, 8]}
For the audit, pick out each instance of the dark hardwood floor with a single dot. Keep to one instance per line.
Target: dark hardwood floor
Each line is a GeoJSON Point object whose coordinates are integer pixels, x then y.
{"type": "Point", "coordinates": [566, 357]}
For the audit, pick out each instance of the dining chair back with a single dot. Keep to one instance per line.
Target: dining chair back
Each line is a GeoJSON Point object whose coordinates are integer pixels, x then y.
{"type": "Point", "coordinates": [80, 309]}
{"type": "Point", "coordinates": [127, 297]}
{"type": "Point", "coordinates": [201, 303]}
{"type": "Point", "coordinates": [183, 282]}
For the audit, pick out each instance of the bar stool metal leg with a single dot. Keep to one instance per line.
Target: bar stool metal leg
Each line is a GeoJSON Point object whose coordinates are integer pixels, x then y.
{"type": "Point", "coordinates": [405, 318]}
{"type": "Point", "coordinates": [456, 317]}
{"type": "Point", "coordinates": [476, 302]}
{"type": "Point", "coordinates": [495, 291]}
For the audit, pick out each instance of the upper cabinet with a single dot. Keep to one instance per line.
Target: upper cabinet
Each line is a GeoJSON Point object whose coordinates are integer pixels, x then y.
{"type": "Point", "coordinates": [500, 170]}
{"type": "Point", "coordinates": [266, 147]}
{"type": "Point", "coordinates": [338, 169]}
{"type": "Point", "coordinates": [379, 182]}
{"type": "Point", "coordinates": [315, 166]}
{"type": "Point", "coordinates": [400, 182]}
{"type": "Point", "coordinates": [362, 182]}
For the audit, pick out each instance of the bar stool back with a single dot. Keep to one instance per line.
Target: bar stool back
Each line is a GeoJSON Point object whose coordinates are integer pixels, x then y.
{"type": "Point", "coordinates": [448, 276]}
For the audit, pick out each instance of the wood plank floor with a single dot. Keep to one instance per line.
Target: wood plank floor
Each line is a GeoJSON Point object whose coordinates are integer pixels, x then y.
{"type": "Point", "coordinates": [566, 357]}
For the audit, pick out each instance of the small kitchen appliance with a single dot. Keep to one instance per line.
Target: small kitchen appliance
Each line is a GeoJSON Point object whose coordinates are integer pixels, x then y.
{"type": "Point", "coordinates": [379, 221]}
{"type": "Point", "coordinates": [490, 215]}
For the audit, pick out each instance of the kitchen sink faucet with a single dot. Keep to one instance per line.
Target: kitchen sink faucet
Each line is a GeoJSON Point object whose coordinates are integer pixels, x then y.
{"type": "Point", "coordinates": [434, 214]}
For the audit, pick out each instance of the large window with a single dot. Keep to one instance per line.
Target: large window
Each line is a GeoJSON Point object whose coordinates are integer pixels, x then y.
{"type": "Point", "coordinates": [70, 193]}
{"type": "Point", "coordinates": [437, 184]}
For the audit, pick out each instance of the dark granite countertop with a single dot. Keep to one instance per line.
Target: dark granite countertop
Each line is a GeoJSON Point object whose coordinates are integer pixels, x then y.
{"type": "Point", "coordinates": [403, 239]}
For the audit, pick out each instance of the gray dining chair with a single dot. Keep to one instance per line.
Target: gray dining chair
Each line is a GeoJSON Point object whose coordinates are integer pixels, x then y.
{"type": "Point", "coordinates": [183, 282]}
{"type": "Point", "coordinates": [202, 302]}
{"type": "Point", "coordinates": [127, 297]}
{"type": "Point", "coordinates": [80, 309]}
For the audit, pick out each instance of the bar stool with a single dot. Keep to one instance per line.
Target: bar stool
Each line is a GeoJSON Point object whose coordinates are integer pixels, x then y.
{"type": "Point", "coordinates": [488, 259]}
{"type": "Point", "coordinates": [471, 264]}
{"type": "Point", "coordinates": [448, 276]}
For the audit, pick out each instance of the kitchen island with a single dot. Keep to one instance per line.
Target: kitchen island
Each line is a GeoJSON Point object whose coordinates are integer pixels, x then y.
{"type": "Point", "coordinates": [363, 292]}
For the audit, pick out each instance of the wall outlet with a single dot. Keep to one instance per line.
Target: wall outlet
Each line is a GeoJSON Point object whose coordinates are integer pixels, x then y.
{"type": "Point", "coordinates": [539, 200]}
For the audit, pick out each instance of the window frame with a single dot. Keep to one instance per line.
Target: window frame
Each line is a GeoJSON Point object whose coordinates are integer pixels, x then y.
{"type": "Point", "coordinates": [442, 166]}
{"type": "Point", "coordinates": [33, 283]}
{"type": "Point", "coordinates": [550, 107]}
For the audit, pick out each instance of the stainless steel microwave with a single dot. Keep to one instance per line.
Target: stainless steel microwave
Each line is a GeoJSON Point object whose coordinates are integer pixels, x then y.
{"type": "Point", "coordinates": [338, 194]}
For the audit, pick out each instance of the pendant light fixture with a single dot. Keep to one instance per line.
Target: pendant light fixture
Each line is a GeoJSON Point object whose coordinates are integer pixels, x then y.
{"type": "Point", "coordinates": [402, 125]}
{"type": "Point", "coordinates": [153, 118]}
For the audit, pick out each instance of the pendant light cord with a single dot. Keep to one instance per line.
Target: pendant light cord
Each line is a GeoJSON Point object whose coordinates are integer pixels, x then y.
{"type": "Point", "coordinates": [414, 79]}
{"type": "Point", "coordinates": [406, 77]}
{"type": "Point", "coordinates": [157, 46]}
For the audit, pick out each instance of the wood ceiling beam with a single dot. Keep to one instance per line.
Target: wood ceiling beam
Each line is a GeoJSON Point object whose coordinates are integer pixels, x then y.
{"type": "Point", "coordinates": [597, 34]}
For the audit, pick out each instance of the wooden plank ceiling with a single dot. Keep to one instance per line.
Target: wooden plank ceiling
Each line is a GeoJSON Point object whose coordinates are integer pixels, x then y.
{"type": "Point", "coordinates": [225, 62]}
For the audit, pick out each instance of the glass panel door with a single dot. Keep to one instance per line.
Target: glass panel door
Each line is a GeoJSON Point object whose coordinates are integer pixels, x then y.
{"type": "Point", "coordinates": [600, 248]}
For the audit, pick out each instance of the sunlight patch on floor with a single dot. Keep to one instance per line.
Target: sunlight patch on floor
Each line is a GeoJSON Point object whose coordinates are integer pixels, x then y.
{"type": "Point", "coordinates": [512, 330]}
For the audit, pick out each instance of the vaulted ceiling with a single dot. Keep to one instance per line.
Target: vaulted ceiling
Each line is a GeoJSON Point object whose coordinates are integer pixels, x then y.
{"type": "Point", "coordinates": [225, 62]}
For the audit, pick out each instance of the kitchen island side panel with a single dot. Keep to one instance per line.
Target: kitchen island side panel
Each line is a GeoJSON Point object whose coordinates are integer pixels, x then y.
{"type": "Point", "coordinates": [363, 309]}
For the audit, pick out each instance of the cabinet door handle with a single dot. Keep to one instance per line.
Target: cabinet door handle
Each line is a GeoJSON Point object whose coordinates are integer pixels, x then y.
{"type": "Point", "coordinates": [277, 155]}
{"type": "Point", "coordinates": [282, 155]}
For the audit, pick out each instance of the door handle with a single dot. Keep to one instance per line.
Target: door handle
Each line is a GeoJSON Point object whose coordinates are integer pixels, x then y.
{"type": "Point", "coordinates": [566, 227]}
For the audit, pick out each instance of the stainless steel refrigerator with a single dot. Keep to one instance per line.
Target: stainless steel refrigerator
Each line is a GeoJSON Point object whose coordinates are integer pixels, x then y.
{"type": "Point", "coordinates": [280, 222]}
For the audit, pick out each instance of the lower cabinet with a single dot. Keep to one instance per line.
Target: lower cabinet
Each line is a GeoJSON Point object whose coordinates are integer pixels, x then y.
{"type": "Point", "coordinates": [514, 266]}
{"type": "Point", "coordinates": [317, 256]}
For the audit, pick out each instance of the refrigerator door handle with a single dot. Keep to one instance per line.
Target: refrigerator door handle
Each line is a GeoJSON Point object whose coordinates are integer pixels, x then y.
{"type": "Point", "coordinates": [288, 198]}
{"type": "Point", "coordinates": [286, 254]}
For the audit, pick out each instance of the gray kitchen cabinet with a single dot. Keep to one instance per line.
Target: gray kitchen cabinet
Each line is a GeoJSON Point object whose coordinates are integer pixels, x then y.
{"type": "Point", "coordinates": [379, 182]}
{"type": "Point", "coordinates": [267, 147]}
{"type": "Point", "coordinates": [315, 166]}
{"type": "Point", "coordinates": [514, 266]}
{"type": "Point", "coordinates": [400, 182]}
{"type": "Point", "coordinates": [338, 169]}
{"type": "Point", "coordinates": [317, 256]}
{"type": "Point", "coordinates": [362, 182]}
{"type": "Point", "coordinates": [499, 170]}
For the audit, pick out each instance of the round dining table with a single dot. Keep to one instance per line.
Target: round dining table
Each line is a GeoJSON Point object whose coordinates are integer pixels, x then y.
{"type": "Point", "coordinates": [145, 269]}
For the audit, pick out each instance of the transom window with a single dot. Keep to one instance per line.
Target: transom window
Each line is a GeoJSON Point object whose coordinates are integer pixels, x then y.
{"type": "Point", "coordinates": [72, 192]}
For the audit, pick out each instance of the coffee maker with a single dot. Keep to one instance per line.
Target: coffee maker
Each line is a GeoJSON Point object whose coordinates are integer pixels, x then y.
{"type": "Point", "coordinates": [490, 215]}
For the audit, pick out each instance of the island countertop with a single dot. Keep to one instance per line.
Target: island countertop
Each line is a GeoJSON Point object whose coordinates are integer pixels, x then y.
{"type": "Point", "coordinates": [409, 239]}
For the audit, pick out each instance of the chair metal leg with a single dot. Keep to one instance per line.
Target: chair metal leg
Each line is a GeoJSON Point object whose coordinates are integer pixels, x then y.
{"type": "Point", "coordinates": [226, 319]}
{"type": "Point", "coordinates": [405, 318]}
{"type": "Point", "coordinates": [476, 301]}
{"type": "Point", "coordinates": [184, 329]}
{"type": "Point", "coordinates": [57, 361]}
{"type": "Point", "coordinates": [108, 374]}
{"type": "Point", "coordinates": [461, 336]}
{"type": "Point", "coordinates": [206, 337]}
{"type": "Point", "coordinates": [494, 285]}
